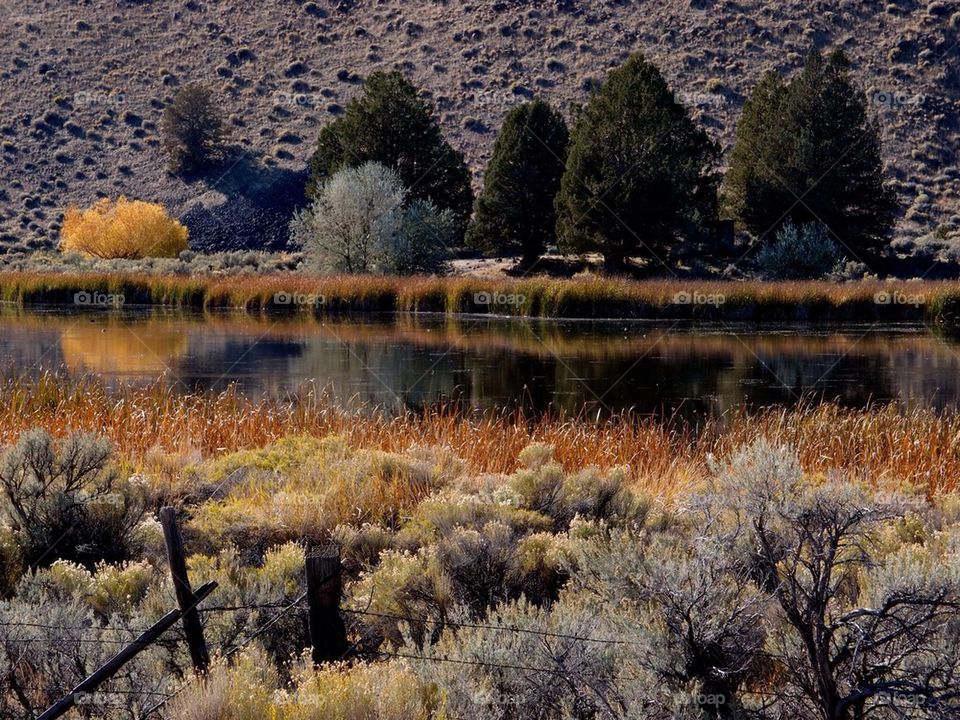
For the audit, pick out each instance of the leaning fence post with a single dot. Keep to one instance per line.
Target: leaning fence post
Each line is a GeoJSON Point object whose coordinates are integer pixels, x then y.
{"type": "Point", "coordinates": [328, 636]}
{"type": "Point", "coordinates": [181, 583]}
{"type": "Point", "coordinates": [79, 694]}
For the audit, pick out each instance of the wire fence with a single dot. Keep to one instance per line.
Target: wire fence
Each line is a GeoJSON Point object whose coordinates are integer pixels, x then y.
{"type": "Point", "coordinates": [284, 607]}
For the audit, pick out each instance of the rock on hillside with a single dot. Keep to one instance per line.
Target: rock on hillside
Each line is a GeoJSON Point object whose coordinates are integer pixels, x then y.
{"type": "Point", "coordinates": [84, 84]}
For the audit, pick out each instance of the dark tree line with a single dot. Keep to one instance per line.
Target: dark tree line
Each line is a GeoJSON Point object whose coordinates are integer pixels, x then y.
{"type": "Point", "coordinates": [635, 177]}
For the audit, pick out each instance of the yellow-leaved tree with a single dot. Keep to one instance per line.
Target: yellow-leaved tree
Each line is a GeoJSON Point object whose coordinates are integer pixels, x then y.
{"type": "Point", "coordinates": [127, 229]}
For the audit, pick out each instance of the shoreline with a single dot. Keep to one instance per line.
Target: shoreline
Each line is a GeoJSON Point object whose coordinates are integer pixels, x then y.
{"type": "Point", "coordinates": [592, 298]}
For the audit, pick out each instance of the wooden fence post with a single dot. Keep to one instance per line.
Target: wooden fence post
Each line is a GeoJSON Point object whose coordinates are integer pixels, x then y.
{"type": "Point", "coordinates": [181, 583]}
{"type": "Point", "coordinates": [328, 636]}
{"type": "Point", "coordinates": [78, 695]}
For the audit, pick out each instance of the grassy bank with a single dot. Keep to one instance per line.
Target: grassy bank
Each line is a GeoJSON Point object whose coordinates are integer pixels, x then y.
{"type": "Point", "coordinates": [902, 301]}
{"type": "Point", "coordinates": [488, 562]}
{"type": "Point", "coordinates": [151, 424]}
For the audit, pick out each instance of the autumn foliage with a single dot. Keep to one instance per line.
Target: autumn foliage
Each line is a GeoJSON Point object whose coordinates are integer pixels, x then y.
{"type": "Point", "coordinates": [123, 228]}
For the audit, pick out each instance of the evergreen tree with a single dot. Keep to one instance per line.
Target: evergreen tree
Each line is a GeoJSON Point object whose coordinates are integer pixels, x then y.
{"type": "Point", "coordinates": [639, 172]}
{"type": "Point", "coordinates": [806, 151]}
{"type": "Point", "coordinates": [516, 213]}
{"type": "Point", "coordinates": [192, 130]}
{"type": "Point", "coordinates": [389, 124]}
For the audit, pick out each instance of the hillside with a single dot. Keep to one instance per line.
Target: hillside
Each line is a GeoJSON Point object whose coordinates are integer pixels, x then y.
{"type": "Point", "coordinates": [83, 84]}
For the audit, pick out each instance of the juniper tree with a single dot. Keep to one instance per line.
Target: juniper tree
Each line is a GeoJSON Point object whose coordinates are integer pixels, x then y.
{"type": "Point", "coordinates": [389, 124]}
{"type": "Point", "coordinates": [515, 214]}
{"type": "Point", "coordinates": [192, 130]}
{"type": "Point", "coordinates": [640, 173]}
{"type": "Point", "coordinates": [807, 151]}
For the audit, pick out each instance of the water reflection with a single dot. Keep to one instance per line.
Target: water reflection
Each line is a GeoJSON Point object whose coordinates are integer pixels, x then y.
{"type": "Point", "coordinates": [408, 362]}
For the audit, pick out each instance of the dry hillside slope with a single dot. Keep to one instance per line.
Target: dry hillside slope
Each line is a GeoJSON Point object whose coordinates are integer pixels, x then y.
{"type": "Point", "coordinates": [84, 84]}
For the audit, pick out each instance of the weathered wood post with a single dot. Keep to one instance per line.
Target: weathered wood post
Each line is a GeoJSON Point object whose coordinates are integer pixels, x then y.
{"type": "Point", "coordinates": [328, 636]}
{"type": "Point", "coordinates": [181, 583]}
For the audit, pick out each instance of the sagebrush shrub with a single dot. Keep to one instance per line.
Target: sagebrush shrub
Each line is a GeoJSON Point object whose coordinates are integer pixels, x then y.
{"type": "Point", "coordinates": [125, 229]}
{"type": "Point", "coordinates": [360, 222]}
{"type": "Point", "coordinates": [64, 500]}
{"type": "Point", "coordinates": [802, 252]}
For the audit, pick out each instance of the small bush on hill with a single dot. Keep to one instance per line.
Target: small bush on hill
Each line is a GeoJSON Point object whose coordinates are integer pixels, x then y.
{"type": "Point", "coordinates": [192, 129]}
{"type": "Point", "coordinates": [125, 229]}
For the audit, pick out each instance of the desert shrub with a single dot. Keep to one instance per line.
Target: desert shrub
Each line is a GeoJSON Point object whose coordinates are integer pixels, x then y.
{"type": "Point", "coordinates": [261, 589]}
{"type": "Point", "coordinates": [800, 253]}
{"type": "Point", "coordinates": [11, 560]}
{"type": "Point", "coordinates": [359, 222]}
{"type": "Point", "coordinates": [51, 638]}
{"type": "Point", "coordinates": [544, 487]}
{"type": "Point", "coordinates": [390, 125]}
{"type": "Point", "coordinates": [460, 551]}
{"type": "Point", "coordinates": [127, 229]}
{"type": "Point", "coordinates": [303, 488]}
{"type": "Point", "coordinates": [526, 675]}
{"type": "Point", "coordinates": [192, 130]}
{"type": "Point", "coordinates": [855, 622]}
{"type": "Point", "coordinates": [249, 690]}
{"type": "Point", "coordinates": [687, 604]}
{"type": "Point", "coordinates": [63, 499]}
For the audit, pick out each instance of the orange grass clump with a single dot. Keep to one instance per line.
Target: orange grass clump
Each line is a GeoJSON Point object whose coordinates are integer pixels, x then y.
{"type": "Point", "coordinates": [884, 444]}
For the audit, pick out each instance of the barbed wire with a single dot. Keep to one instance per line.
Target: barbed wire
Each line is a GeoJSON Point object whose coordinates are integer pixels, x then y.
{"type": "Point", "coordinates": [229, 653]}
{"type": "Point", "coordinates": [502, 628]}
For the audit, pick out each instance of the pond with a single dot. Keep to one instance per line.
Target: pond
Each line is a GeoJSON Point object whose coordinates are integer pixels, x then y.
{"type": "Point", "coordinates": [407, 362]}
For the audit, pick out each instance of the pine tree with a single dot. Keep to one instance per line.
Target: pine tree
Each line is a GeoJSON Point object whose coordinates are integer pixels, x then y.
{"type": "Point", "coordinates": [807, 151]}
{"type": "Point", "coordinates": [639, 172]}
{"type": "Point", "coordinates": [389, 124]}
{"type": "Point", "coordinates": [192, 130]}
{"type": "Point", "coordinates": [516, 213]}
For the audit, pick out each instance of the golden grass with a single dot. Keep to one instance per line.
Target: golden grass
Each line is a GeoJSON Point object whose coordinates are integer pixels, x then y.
{"type": "Point", "coordinates": [884, 444]}
{"type": "Point", "coordinates": [589, 297]}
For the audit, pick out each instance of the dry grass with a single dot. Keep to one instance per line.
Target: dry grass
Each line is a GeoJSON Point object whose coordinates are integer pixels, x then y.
{"type": "Point", "coordinates": [918, 447]}
{"type": "Point", "coordinates": [589, 297]}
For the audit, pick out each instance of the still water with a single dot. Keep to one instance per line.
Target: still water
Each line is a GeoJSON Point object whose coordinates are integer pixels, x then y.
{"type": "Point", "coordinates": [400, 362]}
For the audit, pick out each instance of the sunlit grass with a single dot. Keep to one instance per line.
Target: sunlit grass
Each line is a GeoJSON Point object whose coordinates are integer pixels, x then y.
{"type": "Point", "coordinates": [587, 297]}
{"type": "Point", "coordinates": [156, 424]}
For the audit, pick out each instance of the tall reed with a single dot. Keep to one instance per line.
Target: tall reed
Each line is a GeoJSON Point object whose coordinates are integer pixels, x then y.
{"type": "Point", "coordinates": [589, 297]}
{"type": "Point", "coordinates": [884, 444]}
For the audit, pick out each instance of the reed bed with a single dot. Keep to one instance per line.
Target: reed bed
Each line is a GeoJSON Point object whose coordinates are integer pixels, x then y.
{"type": "Point", "coordinates": [587, 297]}
{"type": "Point", "coordinates": [882, 444]}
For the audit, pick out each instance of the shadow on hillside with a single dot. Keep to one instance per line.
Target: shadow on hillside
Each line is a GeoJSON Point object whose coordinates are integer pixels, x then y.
{"type": "Point", "coordinates": [247, 205]}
